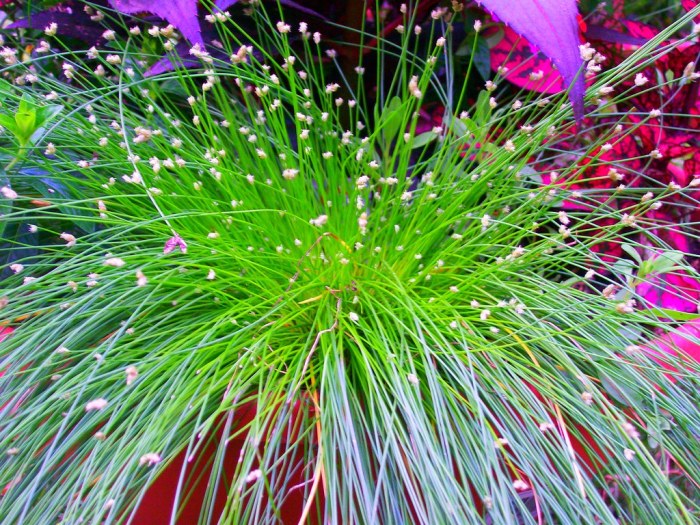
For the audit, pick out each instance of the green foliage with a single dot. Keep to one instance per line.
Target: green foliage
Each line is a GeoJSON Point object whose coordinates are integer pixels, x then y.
{"type": "Point", "coordinates": [406, 313]}
{"type": "Point", "coordinates": [28, 120]}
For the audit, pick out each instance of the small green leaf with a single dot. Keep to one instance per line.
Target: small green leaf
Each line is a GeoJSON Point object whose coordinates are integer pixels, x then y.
{"type": "Point", "coordinates": [465, 47]}
{"type": "Point", "coordinates": [46, 113]}
{"type": "Point", "coordinates": [625, 268]}
{"type": "Point", "coordinates": [481, 54]}
{"type": "Point", "coordinates": [58, 192]}
{"type": "Point", "coordinates": [529, 173]}
{"type": "Point", "coordinates": [25, 119]}
{"type": "Point", "coordinates": [455, 125]}
{"type": "Point", "coordinates": [495, 38]}
{"type": "Point", "coordinates": [666, 262]}
{"type": "Point", "coordinates": [630, 332]}
{"type": "Point", "coordinates": [25, 125]}
{"type": "Point", "coordinates": [482, 59]}
{"type": "Point", "coordinates": [655, 432]}
{"type": "Point", "coordinates": [423, 139]}
{"type": "Point", "coordinates": [490, 147]}
{"type": "Point", "coordinates": [622, 395]}
{"type": "Point", "coordinates": [8, 123]}
{"type": "Point", "coordinates": [25, 104]}
{"type": "Point", "coordinates": [6, 90]}
{"type": "Point", "coordinates": [667, 313]}
{"type": "Point", "coordinates": [483, 109]}
{"type": "Point", "coordinates": [645, 269]}
{"type": "Point", "coordinates": [391, 120]}
{"type": "Point", "coordinates": [632, 252]}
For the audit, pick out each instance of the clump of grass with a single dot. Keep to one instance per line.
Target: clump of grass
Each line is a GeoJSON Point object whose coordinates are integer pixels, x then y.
{"type": "Point", "coordinates": [423, 336]}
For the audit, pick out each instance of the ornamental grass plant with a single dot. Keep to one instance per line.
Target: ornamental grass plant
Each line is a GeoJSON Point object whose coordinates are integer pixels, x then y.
{"type": "Point", "coordinates": [423, 328]}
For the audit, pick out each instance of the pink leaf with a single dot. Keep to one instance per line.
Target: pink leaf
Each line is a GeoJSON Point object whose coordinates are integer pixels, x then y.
{"type": "Point", "coordinates": [688, 5]}
{"type": "Point", "coordinates": [180, 13]}
{"type": "Point", "coordinates": [175, 242]}
{"type": "Point", "coordinates": [514, 53]}
{"type": "Point", "coordinates": [4, 332]}
{"type": "Point", "coordinates": [552, 26]}
{"type": "Point", "coordinates": [676, 291]}
{"type": "Point", "coordinates": [683, 342]}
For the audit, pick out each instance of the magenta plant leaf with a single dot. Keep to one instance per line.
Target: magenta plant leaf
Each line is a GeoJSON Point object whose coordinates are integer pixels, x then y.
{"type": "Point", "coordinates": [73, 23]}
{"type": "Point", "coordinates": [183, 13]}
{"type": "Point", "coordinates": [552, 26]}
{"type": "Point", "coordinates": [175, 242]}
{"type": "Point", "coordinates": [180, 13]}
{"type": "Point", "coordinates": [513, 52]}
{"type": "Point", "coordinates": [688, 5]}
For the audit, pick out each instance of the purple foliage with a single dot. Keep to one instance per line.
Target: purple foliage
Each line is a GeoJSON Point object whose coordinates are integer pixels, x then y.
{"type": "Point", "coordinates": [166, 64]}
{"type": "Point", "coordinates": [71, 22]}
{"type": "Point", "coordinates": [552, 26]}
{"type": "Point", "coordinates": [180, 13]}
{"type": "Point", "coordinates": [183, 13]}
{"type": "Point", "coordinates": [225, 4]}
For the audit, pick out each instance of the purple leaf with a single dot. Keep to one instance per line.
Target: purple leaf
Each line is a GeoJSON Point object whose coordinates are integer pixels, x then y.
{"type": "Point", "coordinates": [182, 49]}
{"type": "Point", "coordinates": [183, 13]}
{"type": "Point", "coordinates": [73, 23]}
{"type": "Point", "coordinates": [180, 13]}
{"type": "Point", "coordinates": [598, 32]}
{"type": "Point", "coordinates": [168, 64]}
{"type": "Point", "coordinates": [552, 26]}
{"type": "Point", "coordinates": [225, 4]}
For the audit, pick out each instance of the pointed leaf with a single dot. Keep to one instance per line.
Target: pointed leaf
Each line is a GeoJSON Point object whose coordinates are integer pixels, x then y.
{"type": "Point", "coordinates": [526, 69]}
{"type": "Point", "coordinates": [25, 119]}
{"type": "Point", "coordinates": [552, 26]}
{"type": "Point", "coordinates": [632, 252]}
{"type": "Point", "coordinates": [391, 119]}
{"type": "Point", "coordinates": [482, 59]}
{"type": "Point", "coordinates": [72, 23]}
{"type": "Point", "coordinates": [46, 113]}
{"type": "Point", "coordinates": [423, 139]}
{"type": "Point", "coordinates": [180, 13]}
{"type": "Point", "coordinates": [8, 123]}
{"type": "Point", "coordinates": [6, 89]}
{"type": "Point", "coordinates": [668, 261]}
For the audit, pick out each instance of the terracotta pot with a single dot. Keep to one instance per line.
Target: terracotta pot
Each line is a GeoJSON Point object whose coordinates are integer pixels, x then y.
{"type": "Point", "coordinates": [156, 506]}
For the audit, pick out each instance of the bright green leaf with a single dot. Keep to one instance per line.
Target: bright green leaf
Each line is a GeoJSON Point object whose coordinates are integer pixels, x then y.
{"type": "Point", "coordinates": [391, 120]}
{"type": "Point", "coordinates": [423, 139]}
{"type": "Point", "coordinates": [632, 252]}
{"type": "Point", "coordinates": [8, 123]}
